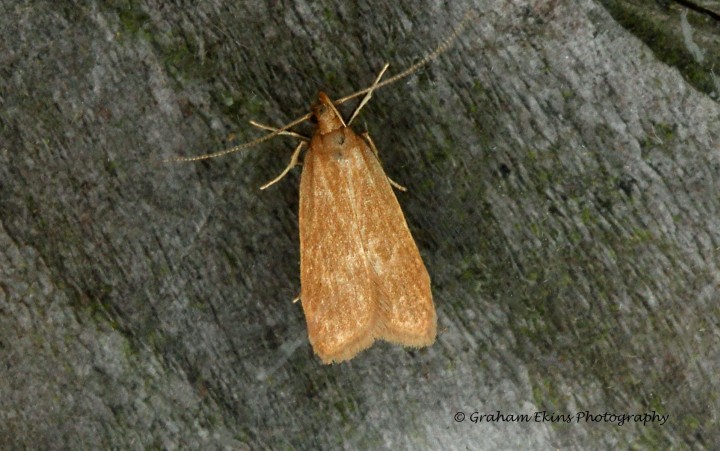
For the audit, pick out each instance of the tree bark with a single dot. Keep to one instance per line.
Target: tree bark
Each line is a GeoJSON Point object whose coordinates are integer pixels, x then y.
{"type": "Point", "coordinates": [562, 188]}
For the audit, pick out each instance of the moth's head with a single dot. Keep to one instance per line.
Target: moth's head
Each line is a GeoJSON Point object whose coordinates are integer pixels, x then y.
{"type": "Point", "coordinates": [327, 116]}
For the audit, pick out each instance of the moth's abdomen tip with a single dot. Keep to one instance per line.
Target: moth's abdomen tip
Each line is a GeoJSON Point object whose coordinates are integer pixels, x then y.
{"type": "Point", "coordinates": [331, 351]}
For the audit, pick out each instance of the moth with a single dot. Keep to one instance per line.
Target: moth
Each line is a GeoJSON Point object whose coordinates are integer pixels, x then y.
{"type": "Point", "coordinates": [362, 277]}
{"type": "Point", "coordinates": [361, 274]}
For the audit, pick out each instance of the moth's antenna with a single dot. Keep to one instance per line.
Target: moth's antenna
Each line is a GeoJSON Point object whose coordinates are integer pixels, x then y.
{"type": "Point", "coordinates": [241, 146]}
{"type": "Point", "coordinates": [439, 50]}
{"type": "Point", "coordinates": [442, 47]}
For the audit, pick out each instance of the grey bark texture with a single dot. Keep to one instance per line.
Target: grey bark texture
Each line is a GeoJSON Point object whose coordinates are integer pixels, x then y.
{"type": "Point", "coordinates": [563, 190]}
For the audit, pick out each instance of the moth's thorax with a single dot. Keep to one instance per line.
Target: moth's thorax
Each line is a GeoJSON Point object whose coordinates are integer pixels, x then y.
{"type": "Point", "coordinates": [334, 142]}
{"type": "Point", "coordinates": [326, 115]}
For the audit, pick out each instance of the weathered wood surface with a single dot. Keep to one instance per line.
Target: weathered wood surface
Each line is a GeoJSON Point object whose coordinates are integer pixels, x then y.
{"type": "Point", "coordinates": [563, 190]}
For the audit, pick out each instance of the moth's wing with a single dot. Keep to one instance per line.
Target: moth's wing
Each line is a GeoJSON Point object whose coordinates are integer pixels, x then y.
{"type": "Point", "coordinates": [338, 297]}
{"type": "Point", "coordinates": [407, 313]}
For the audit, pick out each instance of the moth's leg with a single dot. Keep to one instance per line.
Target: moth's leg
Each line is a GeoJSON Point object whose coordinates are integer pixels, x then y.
{"type": "Point", "coordinates": [370, 142]}
{"type": "Point", "coordinates": [285, 133]}
{"type": "Point", "coordinates": [369, 93]}
{"type": "Point", "coordinates": [292, 164]}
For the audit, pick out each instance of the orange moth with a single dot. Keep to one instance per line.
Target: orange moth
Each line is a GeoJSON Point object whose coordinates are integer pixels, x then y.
{"type": "Point", "coordinates": [362, 277]}
{"type": "Point", "coordinates": [361, 273]}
